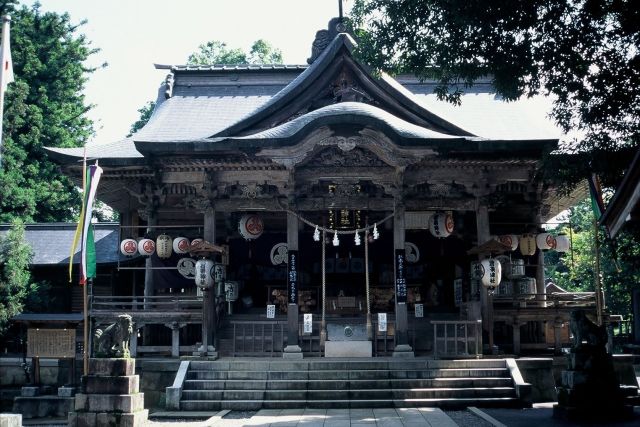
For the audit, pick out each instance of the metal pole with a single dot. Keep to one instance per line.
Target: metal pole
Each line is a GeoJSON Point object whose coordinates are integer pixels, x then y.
{"type": "Point", "coordinates": [366, 276]}
{"type": "Point", "coordinates": [323, 324]}
{"type": "Point", "coordinates": [85, 351]}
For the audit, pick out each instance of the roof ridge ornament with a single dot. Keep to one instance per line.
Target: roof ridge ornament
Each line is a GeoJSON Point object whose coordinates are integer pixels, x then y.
{"type": "Point", "coordinates": [324, 37]}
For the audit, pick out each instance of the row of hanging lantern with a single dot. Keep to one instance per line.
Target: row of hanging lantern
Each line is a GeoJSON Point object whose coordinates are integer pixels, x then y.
{"type": "Point", "coordinates": [164, 246]}
{"type": "Point", "coordinates": [529, 243]}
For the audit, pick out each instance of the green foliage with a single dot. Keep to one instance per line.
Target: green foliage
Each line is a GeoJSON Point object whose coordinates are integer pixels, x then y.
{"type": "Point", "coordinates": [145, 115]}
{"type": "Point", "coordinates": [216, 52]}
{"type": "Point", "coordinates": [574, 271]}
{"type": "Point", "coordinates": [15, 278]}
{"type": "Point", "coordinates": [43, 107]}
{"type": "Point", "coordinates": [583, 53]}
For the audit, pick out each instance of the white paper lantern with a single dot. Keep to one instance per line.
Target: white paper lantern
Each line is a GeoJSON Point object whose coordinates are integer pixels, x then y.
{"type": "Point", "coordinates": [204, 277]}
{"type": "Point", "coordinates": [562, 243]}
{"type": "Point", "coordinates": [491, 272]}
{"type": "Point", "coordinates": [231, 290]}
{"type": "Point", "coordinates": [146, 247]}
{"type": "Point", "coordinates": [129, 247]}
{"type": "Point", "coordinates": [527, 244]}
{"type": "Point", "coordinates": [441, 224]}
{"type": "Point", "coordinates": [510, 240]}
{"type": "Point", "coordinates": [181, 245]}
{"type": "Point", "coordinates": [163, 246]}
{"type": "Point", "coordinates": [251, 226]}
{"type": "Point", "coordinates": [545, 241]}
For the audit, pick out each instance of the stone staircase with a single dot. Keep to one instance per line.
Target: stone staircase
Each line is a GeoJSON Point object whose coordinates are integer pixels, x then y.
{"type": "Point", "coordinates": [244, 384]}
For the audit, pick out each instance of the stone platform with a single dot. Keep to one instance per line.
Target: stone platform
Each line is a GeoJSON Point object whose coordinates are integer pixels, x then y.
{"type": "Point", "coordinates": [110, 396]}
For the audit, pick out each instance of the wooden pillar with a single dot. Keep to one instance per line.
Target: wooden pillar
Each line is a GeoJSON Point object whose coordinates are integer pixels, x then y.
{"type": "Point", "coordinates": [402, 349]}
{"type": "Point", "coordinates": [557, 336]}
{"type": "Point", "coordinates": [516, 337]}
{"type": "Point", "coordinates": [208, 295]}
{"type": "Point", "coordinates": [292, 350]}
{"type": "Point", "coordinates": [149, 290]}
{"type": "Point", "coordinates": [486, 300]}
{"type": "Point", "coordinates": [175, 337]}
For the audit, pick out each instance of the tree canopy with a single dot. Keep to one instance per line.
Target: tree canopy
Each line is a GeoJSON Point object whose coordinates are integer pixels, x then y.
{"type": "Point", "coordinates": [217, 52]}
{"type": "Point", "coordinates": [585, 54]}
{"type": "Point", "coordinates": [45, 106]}
{"type": "Point", "coordinates": [15, 278]}
{"type": "Point", "coordinates": [574, 271]}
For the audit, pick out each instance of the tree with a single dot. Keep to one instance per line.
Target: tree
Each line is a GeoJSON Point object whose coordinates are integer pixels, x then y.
{"type": "Point", "coordinates": [217, 52]}
{"type": "Point", "coordinates": [45, 106]}
{"type": "Point", "coordinates": [585, 54]}
{"type": "Point", "coordinates": [574, 271]}
{"type": "Point", "coordinates": [15, 278]}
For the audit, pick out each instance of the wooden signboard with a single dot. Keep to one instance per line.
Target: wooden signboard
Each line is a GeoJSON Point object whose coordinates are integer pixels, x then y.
{"type": "Point", "coordinates": [52, 343]}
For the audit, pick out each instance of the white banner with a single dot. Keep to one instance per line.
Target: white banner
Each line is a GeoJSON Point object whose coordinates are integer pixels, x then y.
{"type": "Point", "coordinates": [382, 322]}
{"type": "Point", "coordinates": [308, 323]}
{"type": "Point", "coordinates": [271, 311]}
{"type": "Point", "coordinates": [419, 310]}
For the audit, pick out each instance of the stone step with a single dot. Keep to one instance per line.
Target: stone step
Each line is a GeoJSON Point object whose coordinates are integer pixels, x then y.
{"type": "Point", "coordinates": [463, 372]}
{"type": "Point", "coordinates": [215, 405]}
{"type": "Point", "coordinates": [460, 392]}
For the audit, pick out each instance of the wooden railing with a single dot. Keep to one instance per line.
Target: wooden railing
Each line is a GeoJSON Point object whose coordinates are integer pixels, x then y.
{"type": "Point", "coordinates": [554, 299]}
{"type": "Point", "coordinates": [159, 303]}
{"type": "Point", "coordinates": [457, 338]}
{"type": "Point", "coordinates": [258, 338]}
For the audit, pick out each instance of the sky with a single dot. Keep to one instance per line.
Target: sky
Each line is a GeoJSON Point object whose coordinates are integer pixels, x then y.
{"type": "Point", "coordinates": [133, 35]}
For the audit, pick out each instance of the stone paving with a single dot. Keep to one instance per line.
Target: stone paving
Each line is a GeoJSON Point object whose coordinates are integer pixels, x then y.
{"type": "Point", "coordinates": [382, 417]}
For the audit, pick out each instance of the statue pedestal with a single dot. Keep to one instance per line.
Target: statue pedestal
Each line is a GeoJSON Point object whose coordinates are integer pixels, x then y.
{"type": "Point", "coordinates": [110, 396]}
{"type": "Point", "coordinates": [590, 389]}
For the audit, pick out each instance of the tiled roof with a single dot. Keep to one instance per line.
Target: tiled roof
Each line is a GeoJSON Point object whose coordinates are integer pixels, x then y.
{"type": "Point", "coordinates": [241, 67]}
{"type": "Point", "coordinates": [201, 111]}
{"type": "Point", "coordinates": [484, 113]}
{"type": "Point", "coordinates": [51, 242]}
{"type": "Point", "coordinates": [352, 109]}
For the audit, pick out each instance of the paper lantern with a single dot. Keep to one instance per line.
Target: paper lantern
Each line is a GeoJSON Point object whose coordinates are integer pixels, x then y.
{"type": "Point", "coordinates": [510, 240]}
{"type": "Point", "coordinates": [491, 272]}
{"type": "Point", "coordinates": [250, 226]}
{"type": "Point", "coordinates": [129, 247]}
{"type": "Point", "coordinates": [181, 245]}
{"type": "Point", "coordinates": [195, 242]}
{"type": "Point", "coordinates": [146, 247]}
{"type": "Point", "coordinates": [441, 224]}
{"type": "Point", "coordinates": [163, 246]}
{"type": "Point", "coordinates": [231, 290]}
{"type": "Point", "coordinates": [562, 243]}
{"type": "Point", "coordinates": [527, 244]}
{"type": "Point", "coordinates": [545, 241]}
{"type": "Point", "coordinates": [204, 276]}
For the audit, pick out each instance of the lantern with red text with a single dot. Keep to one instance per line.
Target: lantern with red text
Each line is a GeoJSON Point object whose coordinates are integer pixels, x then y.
{"type": "Point", "coordinates": [181, 245]}
{"type": "Point", "coordinates": [128, 247]}
{"type": "Point", "coordinates": [250, 226]}
{"type": "Point", "coordinates": [146, 247]}
{"type": "Point", "coordinates": [441, 224]}
{"type": "Point", "coordinates": [510, 240]}
{"type": "Point", "coordinates": [545, 241]}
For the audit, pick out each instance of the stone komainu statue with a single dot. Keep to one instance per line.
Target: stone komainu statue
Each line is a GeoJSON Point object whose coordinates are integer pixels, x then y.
{"type": "Point", "coordinates": [584, 330]}
{"type": "Point", "coordinates": [113, 341]}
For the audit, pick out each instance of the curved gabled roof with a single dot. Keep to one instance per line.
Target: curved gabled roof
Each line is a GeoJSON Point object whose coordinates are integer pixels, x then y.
{"type": "Point", "coordinates": [324, 66]}
{"type": "Point", "coordinates": [349, 113]}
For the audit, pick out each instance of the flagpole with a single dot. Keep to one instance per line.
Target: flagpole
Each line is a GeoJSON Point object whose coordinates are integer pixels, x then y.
{"type": "Point", "coordinates": [85, 354]}
{"type": "Point", "coordinates": [6, 72]}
